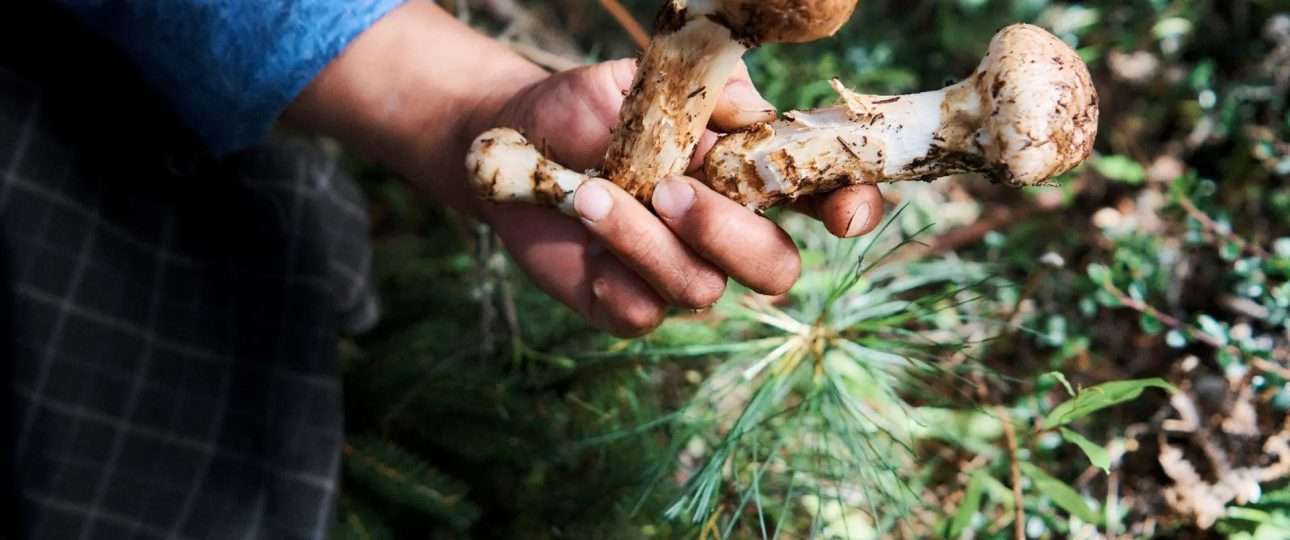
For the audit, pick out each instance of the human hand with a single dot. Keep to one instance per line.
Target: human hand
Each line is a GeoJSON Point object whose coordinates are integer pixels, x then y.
{"type": "Point", "coordinates": [621, 266]}
{"type": "Point", "coordinates": [416, 88]}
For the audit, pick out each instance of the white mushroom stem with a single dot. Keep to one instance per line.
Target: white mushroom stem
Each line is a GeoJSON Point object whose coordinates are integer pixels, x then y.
{"type": "Point", "coordinates": [696, 47]}
{"type": "Point", "coordinates": [1028, 113]}
{"type": "Point", "coordinates": [678, 81]}
{"type": "Point", "coordinates": [869, 139]}
{"type": "Point", "coordinates": [506, 168]}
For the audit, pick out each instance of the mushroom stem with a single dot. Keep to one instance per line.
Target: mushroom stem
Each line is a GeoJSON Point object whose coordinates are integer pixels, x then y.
{"type": "Point", "coordinates": [678, 81]}
{"type": "Point", "coordinates": [506, 168]}
{"type": "Point", "coordinates": [867, 139]}
{"type": "Point", "coordinates": [1028, 113]}
{"type": "Point", "coordinates": [696, 47]}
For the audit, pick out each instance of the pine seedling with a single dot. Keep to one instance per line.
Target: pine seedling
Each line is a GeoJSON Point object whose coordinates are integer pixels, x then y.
{"type": "Point", "coordinates": [812, 411]}
{"type": "Point", "coordinates": [400, 478]}
{"type": "Point", "coordinates": [357, 521]}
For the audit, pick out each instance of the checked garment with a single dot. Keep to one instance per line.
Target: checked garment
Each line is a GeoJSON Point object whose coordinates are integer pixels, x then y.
{"type": "Point", "coordinates": [168, 323]}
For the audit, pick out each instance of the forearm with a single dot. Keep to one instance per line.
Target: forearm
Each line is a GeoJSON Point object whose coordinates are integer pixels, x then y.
{"type": "Point", "coordinates": [411, 92]}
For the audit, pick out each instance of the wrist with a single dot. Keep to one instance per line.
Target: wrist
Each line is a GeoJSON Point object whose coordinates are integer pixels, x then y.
{"type": "Point", "coordinates": [428, 142]}
{"type": "Point", "coordinates": [499, 90]}
{"type": "Point", "coordinates": [500, 95]}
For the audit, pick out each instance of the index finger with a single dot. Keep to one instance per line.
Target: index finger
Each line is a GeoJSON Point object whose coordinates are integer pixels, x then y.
{"type": "Point", "coordinates": [749, 248]}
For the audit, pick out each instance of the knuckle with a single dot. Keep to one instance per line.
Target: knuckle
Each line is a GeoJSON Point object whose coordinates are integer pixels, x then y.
{"type": "Point", "coordinates": [716, 230]}
{"type": "Point", "coordinates": [642, 246]}
{"type": "Point", "coordinates": [711, 233]}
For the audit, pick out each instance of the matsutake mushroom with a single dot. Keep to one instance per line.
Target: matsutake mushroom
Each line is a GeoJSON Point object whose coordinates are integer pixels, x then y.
{"type": "Point", "coordinates": [1028, 113]}
{"type": "Point", "coordinates": [695, 49]}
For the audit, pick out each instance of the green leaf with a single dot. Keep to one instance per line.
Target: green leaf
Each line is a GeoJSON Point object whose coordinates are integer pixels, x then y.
{"type": "Point", "coordinates": [964, 427]}
{"type": "Point", "coordinates": [1099, 273]}
{"type": "Point", "coordinates": [1096, 454]}
{"type": "Point", "coordinates": [1179, 26]}
{"type": "Point", "coordinates": [1091, 400]}
{"type": "Point", "coordinates": [1062, 495]}
{"type": "Point", "coordinates": [1227, 358]}
{"type": "Point", "coordinates": [1212, 327]}
{"type": "Point", "coordinates": [1150, 325]}
{"type": "Point", "coordinates": [1121, 169]}
{"type": "Point", "coordinates": [968, 508]}
{"type": "Point", "coordinates": [1056, 331]}
{"type": "Point", "coordinates": [1248, 514]}
{"type": "Point", "coordinates": [1137, 291]}
{"type": "Point", "coordinates": [1282, 245]}
{"type": "Point", "coordinates": [1229, 251]}
{"type": "Point", "coordinates": [998, 492]}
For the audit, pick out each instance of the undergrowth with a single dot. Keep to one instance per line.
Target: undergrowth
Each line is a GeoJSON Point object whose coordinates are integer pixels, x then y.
{"type": "Point", "coordinates": [1104, 360]}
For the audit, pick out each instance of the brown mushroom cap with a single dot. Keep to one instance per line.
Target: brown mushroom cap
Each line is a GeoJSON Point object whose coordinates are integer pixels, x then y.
{"type": "Point", "coordinates": [785, 21]}
{"type": "Point", "coordinates": [1043, 107]}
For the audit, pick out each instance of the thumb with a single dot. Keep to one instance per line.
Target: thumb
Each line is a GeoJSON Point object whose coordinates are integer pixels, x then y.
{"type": "Point", "coordinates": [740, 105]}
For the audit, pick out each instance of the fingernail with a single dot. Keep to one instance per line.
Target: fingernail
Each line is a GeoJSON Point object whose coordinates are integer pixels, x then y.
{"type": "Point", "coordinates": [858, 220]}
{"type": "Point", "coordinates": [593, 202]}
{"type": "Point", "coordinates": [752, 107]}
{"type": "Point", "coordinates": [673, 198]}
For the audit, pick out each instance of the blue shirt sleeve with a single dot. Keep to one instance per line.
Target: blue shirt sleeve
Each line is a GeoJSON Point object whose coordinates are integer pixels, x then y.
{"type": "Point", "coordinates": [230, 67]}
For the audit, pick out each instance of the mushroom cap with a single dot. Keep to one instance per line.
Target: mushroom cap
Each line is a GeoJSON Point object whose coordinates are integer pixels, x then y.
{"type": "Point", "coordinates": [785, 21]}
{"type": "Point", "coordinates": [1043, 107]}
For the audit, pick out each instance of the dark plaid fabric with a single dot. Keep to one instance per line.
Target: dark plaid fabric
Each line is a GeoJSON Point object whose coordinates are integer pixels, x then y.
{"type": "Point", "coordinates": [169, 325]}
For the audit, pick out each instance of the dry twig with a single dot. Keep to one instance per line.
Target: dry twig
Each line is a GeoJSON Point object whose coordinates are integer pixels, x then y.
{"type": "Point", "coordinates": [1219, 231]}
{"type": "Point", "coordinates": [625, 19]}
{"type": "Point", "coordinates": [1010, 435]}
{"type": "Point", "coordinates": [1259, 364]}
{"type": "Point", "coordinates": [542, 57]}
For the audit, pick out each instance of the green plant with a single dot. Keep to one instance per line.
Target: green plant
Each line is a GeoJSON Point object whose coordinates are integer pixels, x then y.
{"type": "Point", "coordinates": [818, 398]}
{"type": "Point", "coordinates": [1163, 259]}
